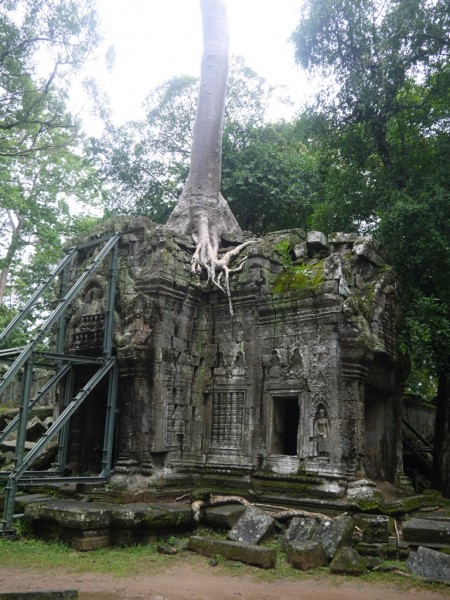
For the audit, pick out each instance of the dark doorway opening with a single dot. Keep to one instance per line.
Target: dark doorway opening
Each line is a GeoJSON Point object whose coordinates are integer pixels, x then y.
{"type": "Point", "coordinates": [286, 418]}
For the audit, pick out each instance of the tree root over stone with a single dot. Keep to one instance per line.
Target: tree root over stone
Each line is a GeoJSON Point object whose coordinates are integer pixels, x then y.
{"type": "Point", "coordinates": [206, 257]}
{"type": "Point", "coordinates": [208, 220]}
{"type": "Point", "coordinates": [280, 515]}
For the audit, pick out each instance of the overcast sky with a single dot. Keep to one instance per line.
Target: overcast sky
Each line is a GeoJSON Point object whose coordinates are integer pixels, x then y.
{"type": "Point", "coordinates": [157, 39]}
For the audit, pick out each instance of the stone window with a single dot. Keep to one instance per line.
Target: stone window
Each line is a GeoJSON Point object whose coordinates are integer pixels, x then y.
{"type": "Point", "coordinates": [227, 418]}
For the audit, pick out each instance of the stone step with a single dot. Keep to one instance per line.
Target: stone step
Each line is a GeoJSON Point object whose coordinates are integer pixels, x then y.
{"type": "Point", "coordinates": [91, 525]}
{"type": "Point", "coordinates": [426, 531]}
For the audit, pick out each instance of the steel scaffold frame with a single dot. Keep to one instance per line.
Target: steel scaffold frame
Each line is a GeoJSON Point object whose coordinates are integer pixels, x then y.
{"type": "Point", "coordinates": [28, 357]}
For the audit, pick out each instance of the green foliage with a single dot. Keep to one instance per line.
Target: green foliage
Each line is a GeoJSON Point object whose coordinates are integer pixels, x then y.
{"type": "Point", "coordinates": [381, 130]}
{"type": "Point", "coordinates": [268, 176]}
{"type": "Point", "coordinates": [40, 172]}
{"type": "Point", "coordinates": [32, 91]}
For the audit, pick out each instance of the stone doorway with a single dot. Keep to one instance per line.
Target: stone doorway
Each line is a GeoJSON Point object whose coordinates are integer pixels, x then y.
{"type": "Point", "coordinates": [285, 422]}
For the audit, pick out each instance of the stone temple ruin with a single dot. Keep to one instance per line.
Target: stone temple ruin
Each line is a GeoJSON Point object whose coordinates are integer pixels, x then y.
{"type": "Point", "coordinates": [297, 394]}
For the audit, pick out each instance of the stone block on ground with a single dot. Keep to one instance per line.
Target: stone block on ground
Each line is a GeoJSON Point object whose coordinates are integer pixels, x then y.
{"type": "Point", "coordinates": [35, 429]}
{"type": "Point", "coordinates": [48, 421]}
{"type": "Point", "coordinates": [10, 446]}
{"type": "Point", "coordinates": [375, 528]}
{"type": "Point", "coordinates": [429, 564]}
{"type": "Point", "coordinates": [47, 456]}
{"type": "Point", "coordinates": [91, 525]}
{"type": "Point", "coordinates": [72, 514]}
{"type": "Point", "coordinates": [390, 551]}
{"type": "Point", "coordinates": [6, 458]}
{"type": "Point", "coordinates": [347, 561]}
{"type": "Point", "coordinates": [245, 553]}
{"type": "Point", "coordinates": [300, 529]}
{"type": "Point", "coordinates": [252, 527]}
{"type": "Point", "coordinates": [426, 531]}
{"type": "Point", "coordinates": [22, 500]}
{"type": "Point", "coordinates": [306, 555]}
{"type": "Point", "coordinates": [332, 535]}
{"type": "Point", "coordinates": [223, 517]}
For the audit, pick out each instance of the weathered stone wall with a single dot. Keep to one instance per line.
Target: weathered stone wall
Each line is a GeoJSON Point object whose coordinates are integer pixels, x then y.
{"type": "Point", "coordinates": [303, 379]}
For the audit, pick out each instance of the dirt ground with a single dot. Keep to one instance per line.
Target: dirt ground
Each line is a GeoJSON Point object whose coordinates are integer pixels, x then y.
{"type": "Point", "coordinates": [203, 582]}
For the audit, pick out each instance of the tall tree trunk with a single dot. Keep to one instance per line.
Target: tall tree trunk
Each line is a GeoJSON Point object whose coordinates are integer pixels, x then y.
{"type": "Point", "coordinates": [201, 210]}
{"type": "Point", "coordinates": [441, 459]}
{"type": "Point", "coordinates": [12, 249]}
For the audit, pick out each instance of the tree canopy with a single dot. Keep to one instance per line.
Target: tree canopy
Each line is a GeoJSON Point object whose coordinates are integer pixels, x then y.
{"type": "Point", "coordinates": [42, 43]}
{"type": "Point", "coordinates": [383, 129]}
{"type": "Point", "coordinates": [268, 173]}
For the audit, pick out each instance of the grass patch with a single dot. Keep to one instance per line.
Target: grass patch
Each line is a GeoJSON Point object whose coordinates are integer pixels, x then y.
{"type": "Point", "coordinates": [120, 562]}
{"type": "Point", "coordinates": [139, 560]}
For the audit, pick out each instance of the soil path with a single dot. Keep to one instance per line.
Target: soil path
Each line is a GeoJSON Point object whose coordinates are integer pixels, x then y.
{"type": "Point", "coordinates": [201, 582]}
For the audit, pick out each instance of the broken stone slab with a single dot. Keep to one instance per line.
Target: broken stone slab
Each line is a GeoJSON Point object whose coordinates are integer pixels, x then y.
{"type": "Point", "coordinates": [252, 527]}
{"type": "Point", "coordinates": [375, 528]}
{"type": "Point", "coordinates": [223, 517]}
{"type": "Point", "coordinates": [300, 529]}
{"type": "Point", "coordinates": [6, 458]}
{"type": "Point", "coordinates": [300, 251]}
{"type": "Point", "coordinates": [306, 555]}
{"type": "Point", "coordinates": [48, 421]}
{"type": "Point", "coordinates": [47, 456]}
{"type": "Point", "coordinates": [334, 534]}
{"type": "Point", "coordinates": [72, 514]}
{"type": "Point", "coordinates": [41, 595]}
{"type": "Point", "coordinates": [430, 564]}
{"type": "Point", "coordinates": [157, 516]}
{"type": "Point", "coordinates": [23, 500]}
{"type": "Point", "coordinates": [35, 429]}
{"type": "Point", "coordinates": [247, 553]}
{"type": "Point", "coordinates": [10, 445]}
{"type": "Point", "coordinates": [87, 526]}
{"type": "Point", "coordinates": [426, 531]}
{"type": "Point", "coordinates": [3, 422]}
{"type": "Point", "coordinates": [347, 561]}
{"type": "Point", "coordinates": [367, 248]}
{"type": "Point", "coordinates": [391, 551]}
{"type": "Point", "coordinates": [342, 238]}
{"type": "Point", "coordinates": [317, 243]}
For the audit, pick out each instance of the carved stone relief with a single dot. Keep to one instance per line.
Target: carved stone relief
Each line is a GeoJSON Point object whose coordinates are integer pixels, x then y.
{"type": "Point", "coordinates": [278, 386]}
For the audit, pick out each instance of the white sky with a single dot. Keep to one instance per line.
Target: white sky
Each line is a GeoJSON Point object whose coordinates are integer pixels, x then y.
{"type": "Point", "coordinates": [157, 39]}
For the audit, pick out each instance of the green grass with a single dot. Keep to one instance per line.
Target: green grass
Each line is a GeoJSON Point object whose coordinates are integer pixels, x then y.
{"type": "Point", "coordinates": [29, 553]}
{"type": "Point", "coordinates": [120, 562]}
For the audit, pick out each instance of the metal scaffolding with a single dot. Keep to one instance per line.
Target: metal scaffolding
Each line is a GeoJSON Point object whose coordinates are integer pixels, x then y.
{"type": "Point", "coordinates": [26, 358]}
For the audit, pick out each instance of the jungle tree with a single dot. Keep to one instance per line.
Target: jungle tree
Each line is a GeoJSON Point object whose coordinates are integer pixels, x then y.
{"type": "Point", "coordinates": [201, 211]}
{"type": "Point", "coordinates": [384, 127]}
{"type": "Point", "coordinates": [42, 43]}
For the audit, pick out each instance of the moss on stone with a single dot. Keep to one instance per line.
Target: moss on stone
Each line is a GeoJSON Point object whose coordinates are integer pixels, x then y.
{"type": "Point", "coordinates": [305, 277]}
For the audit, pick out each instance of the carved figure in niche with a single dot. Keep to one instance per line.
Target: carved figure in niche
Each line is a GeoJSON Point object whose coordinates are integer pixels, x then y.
{"type": "Point", "coordinates": [322, 433]}
{"type": "Point", "coordinates": [296, 364]}
{"type": "Point", "coordinates": [93, 300]}
{"type": "Point", "coordinates": [238, 368]}
{"type": "Point", "coordinates": [178, 419]}
{"type": "Point", "coordinates": [274, 365]}
{"type": "Point", "coordinates": [88, 324]}
{"type": "Point", "coordinates": [138, 321]}
{"type": "Point", "coordinates": [220, 366]}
